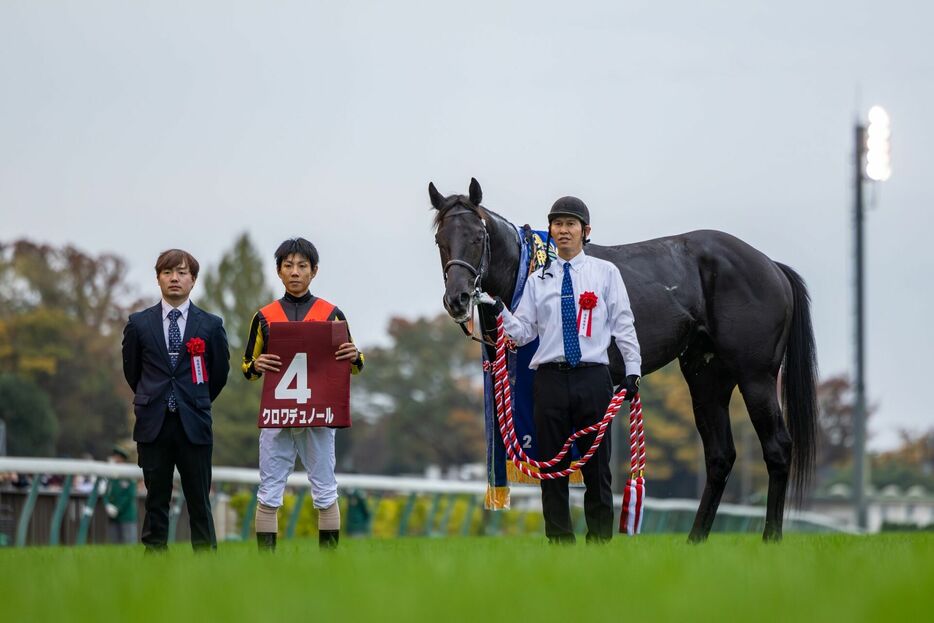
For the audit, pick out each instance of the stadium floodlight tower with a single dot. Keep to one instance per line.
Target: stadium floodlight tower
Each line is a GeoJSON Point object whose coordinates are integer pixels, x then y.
{"type": "Point", "coordinates": [873, 163]}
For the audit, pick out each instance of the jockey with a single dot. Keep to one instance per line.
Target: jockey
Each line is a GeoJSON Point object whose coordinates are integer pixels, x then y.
{"type": "Point", "coordinates": [297, 265]}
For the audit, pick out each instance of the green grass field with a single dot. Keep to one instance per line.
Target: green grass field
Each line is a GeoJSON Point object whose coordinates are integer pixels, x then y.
{"type": "Point", "coordinates": [730, 578]}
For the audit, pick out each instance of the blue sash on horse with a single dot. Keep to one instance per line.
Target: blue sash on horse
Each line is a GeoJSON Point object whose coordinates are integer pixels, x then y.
{"type": "Point", "coordinates": [500, 470]}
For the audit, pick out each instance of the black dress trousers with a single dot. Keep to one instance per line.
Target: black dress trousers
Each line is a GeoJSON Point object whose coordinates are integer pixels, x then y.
{"type": "Point", "coordinates": [158, 459]}
{"type": "Point", "coordinates": [567, 400]}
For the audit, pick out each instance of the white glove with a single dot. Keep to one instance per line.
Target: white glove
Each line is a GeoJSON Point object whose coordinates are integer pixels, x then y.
{"type": "Point", "coordinates": [112, 511]}
{"type": "Point", "coordinates": [482, 298]}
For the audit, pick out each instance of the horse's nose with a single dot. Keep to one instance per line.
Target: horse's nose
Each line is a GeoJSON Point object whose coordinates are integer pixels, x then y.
{"type": "Point", "coordinates": [457, 303]}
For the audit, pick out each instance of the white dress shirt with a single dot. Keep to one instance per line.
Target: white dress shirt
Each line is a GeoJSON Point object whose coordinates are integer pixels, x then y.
{"type": "Point", "coordinates": [539, 313]}
{"type": "Point", "coordinates": [182, 320]}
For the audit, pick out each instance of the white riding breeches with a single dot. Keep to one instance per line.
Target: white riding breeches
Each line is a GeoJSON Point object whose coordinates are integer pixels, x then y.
{"type": "Point", "coordinates": [277, 450]}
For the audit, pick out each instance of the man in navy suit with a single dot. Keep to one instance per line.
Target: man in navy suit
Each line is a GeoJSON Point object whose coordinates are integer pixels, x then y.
{"type": "Point", "coordinates": [175, 359]}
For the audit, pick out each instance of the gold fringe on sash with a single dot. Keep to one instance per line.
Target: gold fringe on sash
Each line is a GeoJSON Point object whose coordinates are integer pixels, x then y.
{"type": "Point", "coordinates": [515, 476]}
{"type": "Point", "coordinates": [497, 498]}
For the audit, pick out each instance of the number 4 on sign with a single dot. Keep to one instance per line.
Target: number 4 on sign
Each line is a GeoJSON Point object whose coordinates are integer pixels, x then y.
{"type": "Point", "coordinates": [297, 370]}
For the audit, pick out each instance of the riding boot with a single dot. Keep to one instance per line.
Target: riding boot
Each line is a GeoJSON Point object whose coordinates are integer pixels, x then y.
{"type": "Point", "coordinates": [327, 539]}
{"type": "Point", "coordinates": [266, 541]}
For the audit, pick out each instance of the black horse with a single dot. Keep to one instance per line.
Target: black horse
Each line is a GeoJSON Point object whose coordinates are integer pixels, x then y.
{"type": "Point", "coordinates": [730, 315]}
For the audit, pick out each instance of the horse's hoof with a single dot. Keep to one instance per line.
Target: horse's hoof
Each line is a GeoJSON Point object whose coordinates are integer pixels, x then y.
{"type": "Point", "coordinates": [771, 537]}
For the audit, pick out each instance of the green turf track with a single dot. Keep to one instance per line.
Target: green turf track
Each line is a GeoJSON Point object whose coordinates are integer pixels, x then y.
{"type": "Point", "coordinates": [730, 578]}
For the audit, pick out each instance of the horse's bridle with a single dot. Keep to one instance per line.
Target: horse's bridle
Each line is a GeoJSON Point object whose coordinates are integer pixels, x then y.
{"type": "Point", "coordinates": [477, 272]}
{"type": "Point", "coordinates": [484, 257]}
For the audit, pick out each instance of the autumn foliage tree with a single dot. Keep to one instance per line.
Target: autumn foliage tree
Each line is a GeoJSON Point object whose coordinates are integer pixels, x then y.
{"type": "Point", "coordinates": [30, 421]}
{"type": "Point", "coordinates": [674, 453]}
{"type": "Point", "coordinates": [235, 289]}
{"type": "Point", "coordinates": [418, 402]}
{"type": "Point", "coordinates": [61, 318]}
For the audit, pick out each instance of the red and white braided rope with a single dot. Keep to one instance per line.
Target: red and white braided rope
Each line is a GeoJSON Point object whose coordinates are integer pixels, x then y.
{"type": "Point", "coordinates": [514, 450]}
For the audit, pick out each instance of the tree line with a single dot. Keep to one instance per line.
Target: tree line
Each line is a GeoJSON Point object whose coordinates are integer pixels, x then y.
{"type": "Point", "coordinates": [418, 402]}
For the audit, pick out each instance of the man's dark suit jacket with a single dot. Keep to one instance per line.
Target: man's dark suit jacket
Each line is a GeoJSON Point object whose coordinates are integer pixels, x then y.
{"type": "Point", "coordinates": [149, 371]}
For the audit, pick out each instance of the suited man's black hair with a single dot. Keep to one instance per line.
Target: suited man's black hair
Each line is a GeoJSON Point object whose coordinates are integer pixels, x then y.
{"type": "Point", "coordinates": [297, 246]}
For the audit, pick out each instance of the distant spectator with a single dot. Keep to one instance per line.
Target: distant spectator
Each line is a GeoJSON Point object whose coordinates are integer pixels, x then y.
{"type": "Point", "coordinates": [10, 479]}
{"type": "Point", "coordinates": [53, 481]}
{"type": "Point", "coordinates": [120, 502]}
{"type": "Point", "coordinates": [19, 481]}
{"type": "Point", "coordinates": [84, 483]}
{"type": "Point", "coordinates": [358, 513]}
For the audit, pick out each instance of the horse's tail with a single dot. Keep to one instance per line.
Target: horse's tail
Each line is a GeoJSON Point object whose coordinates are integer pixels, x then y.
{"type": "Point", "coordinates": [799, 387]}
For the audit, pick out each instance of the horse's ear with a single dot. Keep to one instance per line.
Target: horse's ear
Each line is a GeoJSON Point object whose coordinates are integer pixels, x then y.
{"type": "Point", "coordinates": [437, 199]}
{"type": "Point", "coordinates": [476, 194]}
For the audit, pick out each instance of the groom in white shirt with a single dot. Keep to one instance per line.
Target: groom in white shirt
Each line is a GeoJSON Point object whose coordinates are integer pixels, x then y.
{"type": "Point", "coordinates": [574, 305]}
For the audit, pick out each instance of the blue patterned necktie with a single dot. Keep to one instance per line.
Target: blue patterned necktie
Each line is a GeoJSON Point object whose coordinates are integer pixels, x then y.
{"type": "Point", "coordinates": [572, 345]}
{"type": "Point", "coordinates": [175, 346]}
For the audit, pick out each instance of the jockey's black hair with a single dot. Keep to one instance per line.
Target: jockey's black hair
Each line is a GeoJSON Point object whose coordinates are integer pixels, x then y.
{"type": "Point", "coordinates": [297, 246]}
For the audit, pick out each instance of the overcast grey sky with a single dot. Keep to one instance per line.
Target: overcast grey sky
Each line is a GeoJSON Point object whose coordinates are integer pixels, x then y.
{"type": "Point", "coordinates": [131, 127]}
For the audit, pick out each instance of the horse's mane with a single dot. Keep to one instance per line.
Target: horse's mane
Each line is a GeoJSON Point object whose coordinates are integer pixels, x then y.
{"type": "Point", "coordinates": [460, 201]}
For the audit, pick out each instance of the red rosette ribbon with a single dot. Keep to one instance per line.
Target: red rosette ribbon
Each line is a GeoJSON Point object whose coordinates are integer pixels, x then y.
{"type": "Point", "coordinates": [199, 370]}
{"type": "Point", "coordinates": [586, 304]}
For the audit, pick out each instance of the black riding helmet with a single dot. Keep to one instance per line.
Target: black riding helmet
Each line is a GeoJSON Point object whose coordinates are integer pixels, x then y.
{"type": "Point", "coordinates": [570, 206]}
{"type": "Point", "coordinates": [566, 206]}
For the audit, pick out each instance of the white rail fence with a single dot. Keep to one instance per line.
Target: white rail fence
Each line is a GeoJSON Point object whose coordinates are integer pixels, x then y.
{"type": "Point", "coordinates": [436, 497]}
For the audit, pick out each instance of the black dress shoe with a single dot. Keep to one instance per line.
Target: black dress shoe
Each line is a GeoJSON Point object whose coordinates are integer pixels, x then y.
{"type": "Point", "coordinates": [593, 539]}
{"type": "Point", "coordinates": [562, 539]}
{"type": "Point", "coordinates": [266, 541]}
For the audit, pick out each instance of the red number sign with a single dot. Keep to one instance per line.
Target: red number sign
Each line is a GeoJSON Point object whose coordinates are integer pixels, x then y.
{"type": "Point", "coordinates": [311, 387]}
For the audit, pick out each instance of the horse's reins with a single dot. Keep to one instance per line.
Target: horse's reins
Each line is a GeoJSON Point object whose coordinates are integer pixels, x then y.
{"type": "Point", "coordinates": [631, 513]}
{"type": "Point", "coordinates": [477, 272]}
{"type": "Point", "coordinates": [515, 451]}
